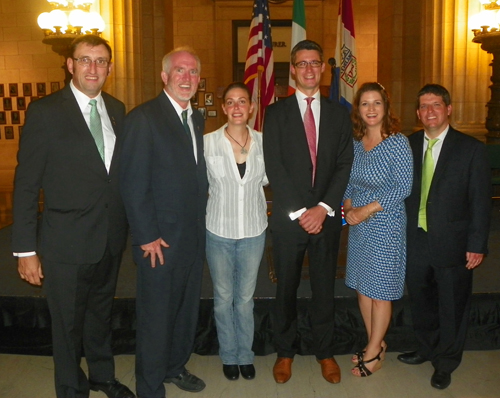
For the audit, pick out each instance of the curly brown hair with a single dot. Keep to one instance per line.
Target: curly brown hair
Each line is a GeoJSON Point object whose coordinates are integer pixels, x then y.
{"type": "Point", "coordinates": [390, 123]}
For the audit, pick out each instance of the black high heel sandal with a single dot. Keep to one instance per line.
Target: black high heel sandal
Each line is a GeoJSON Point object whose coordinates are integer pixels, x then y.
{"type": "Point", "coordinates": [363, 370]}
{"type": "Point", "coordinates": [358, 357]}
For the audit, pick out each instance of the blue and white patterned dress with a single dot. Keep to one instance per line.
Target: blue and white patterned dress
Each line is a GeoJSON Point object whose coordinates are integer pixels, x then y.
{"type": "Point", "coordinates": [376, 254]}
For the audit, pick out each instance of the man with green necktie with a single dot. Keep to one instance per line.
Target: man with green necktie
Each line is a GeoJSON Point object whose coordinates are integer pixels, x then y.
{"type": "Point", "coordinates": [70, 149]}
{"type": "Point", "coordinates": [448, 224]}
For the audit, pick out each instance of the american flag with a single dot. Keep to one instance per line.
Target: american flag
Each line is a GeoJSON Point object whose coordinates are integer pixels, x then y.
{"type": "Point", "coordinates": [259, 67]}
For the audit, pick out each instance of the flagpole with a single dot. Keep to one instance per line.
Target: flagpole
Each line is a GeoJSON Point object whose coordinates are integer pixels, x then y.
{"type": "Point", "coordinates": [334, 90]}
{"type": "Point", "coordinates": [259, 79]}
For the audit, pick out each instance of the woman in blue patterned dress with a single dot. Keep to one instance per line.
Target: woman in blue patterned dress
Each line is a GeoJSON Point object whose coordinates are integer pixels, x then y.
{"type": "Point", "coordinates": [381, 178]}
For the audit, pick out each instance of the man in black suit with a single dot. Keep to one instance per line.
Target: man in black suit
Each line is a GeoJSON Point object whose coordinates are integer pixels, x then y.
{"type": "Point", "coordinates": [308, 172]}
{"type": "Point", "coordinates": [70, 149]}
{"type": "Point", "coordinates": [164, 186]}
{"type": "Point", "coordinates": [447, 233]}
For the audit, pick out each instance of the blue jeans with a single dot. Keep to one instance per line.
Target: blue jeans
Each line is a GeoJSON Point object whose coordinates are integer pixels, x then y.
{"type": "Point", "coordinates": [234, 264]}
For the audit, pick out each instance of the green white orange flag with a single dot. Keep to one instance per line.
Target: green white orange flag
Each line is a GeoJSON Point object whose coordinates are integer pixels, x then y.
{"type": "Point", "coordinates": [298, 33]}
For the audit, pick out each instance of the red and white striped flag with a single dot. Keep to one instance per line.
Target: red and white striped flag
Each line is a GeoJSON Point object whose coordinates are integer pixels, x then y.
{"type": "Point", "coordinates": [298, 34]}
{"type": "Point", "coordinates": [259, 67]}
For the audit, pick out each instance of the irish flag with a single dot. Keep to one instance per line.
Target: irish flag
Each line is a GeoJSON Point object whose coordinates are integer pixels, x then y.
{"type": "Point", "coordinates": [298, 33]}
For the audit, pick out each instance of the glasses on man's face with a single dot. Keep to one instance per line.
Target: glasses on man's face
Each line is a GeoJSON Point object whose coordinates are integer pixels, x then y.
{"type": "Point", "coordinates": [86, 61]}
{"type": "Point", "coordinates": [304, 64]}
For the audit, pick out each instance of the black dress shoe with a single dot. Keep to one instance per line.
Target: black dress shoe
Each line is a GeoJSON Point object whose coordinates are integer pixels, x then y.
{"type": "Point", "coordinates": [231, 372]}
{"type": "Point", "coordinates": [440, 379]}
{"type": "Point", "coordinates": [187, 382]}
{"type": "Point", "coordinates": [412, 358]}
{"type": "Point", "coordinates": [247, 371]}
{"type": "Point", "coordinates": [112, 388]}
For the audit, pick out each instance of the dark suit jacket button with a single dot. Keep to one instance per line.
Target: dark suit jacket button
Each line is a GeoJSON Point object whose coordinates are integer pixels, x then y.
{"type": "Point", "coordinates": [106, 205]}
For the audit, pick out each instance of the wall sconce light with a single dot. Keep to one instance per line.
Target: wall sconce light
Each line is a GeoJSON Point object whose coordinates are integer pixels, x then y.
{"type": "Point", "coordinates": [67, 20]}
{"type": "Point", "coordinates": [485, 26]}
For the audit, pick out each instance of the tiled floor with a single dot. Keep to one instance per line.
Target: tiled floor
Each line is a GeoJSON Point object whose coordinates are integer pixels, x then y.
{"type": "Point", "coordinates": [478, 376]}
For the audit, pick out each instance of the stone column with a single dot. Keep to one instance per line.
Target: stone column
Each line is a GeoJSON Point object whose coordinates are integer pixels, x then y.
{"type": "Point", "coordinates": [123, 30]}
{"type": "Point", "coordinates": [450, 58]}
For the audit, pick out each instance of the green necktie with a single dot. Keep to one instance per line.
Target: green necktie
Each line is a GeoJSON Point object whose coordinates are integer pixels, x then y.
{"type": "Point", "coordinates": [95, 127]}
{"type": "Point", "coordinates": [185, 122]}
{"type": "Point", "coordinates": [427, 173]}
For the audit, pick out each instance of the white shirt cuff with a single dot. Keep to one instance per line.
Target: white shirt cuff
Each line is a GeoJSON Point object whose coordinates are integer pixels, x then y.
{"type": "Point", "coordinates": [25, 254]}
{"type": "Point", "coordinates": [296, 214]}
{"type": "Point", "coordinates": [331, 212]}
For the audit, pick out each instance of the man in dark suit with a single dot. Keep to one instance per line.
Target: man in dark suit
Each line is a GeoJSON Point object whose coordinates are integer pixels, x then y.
{"type": "Point", "coordinates": [70, 149]}
{"type": "Point", "coordinates": [448, 228]}
{"type": "Point", "coordinates": [308, 172]}
{"type": "Point", "coordinates": [164, 186]}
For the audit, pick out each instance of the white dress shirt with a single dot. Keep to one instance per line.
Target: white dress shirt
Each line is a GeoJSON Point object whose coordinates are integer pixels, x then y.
{"type": "Point", "coordinates": [179, 111]}
{"type": "Point", "coordinates": [236, 206]}
{"type": "Point", "coordinates": [107, 129]}
{"type": "Point", "coordinates": [436, 149]}
{"type": "Point", "coordinates": [315, 107]}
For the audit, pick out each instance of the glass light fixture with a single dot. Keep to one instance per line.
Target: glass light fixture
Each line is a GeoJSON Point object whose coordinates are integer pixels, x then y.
{"type": "Point", "coordinates": [70, 17]}
{"type": "Point", "coordinates": [44, 22]}
{"type": "Point", "coordinates": [490, 5]}
{"type": "Point", "coordinates": [96, 23]}
{"type": "Point", "coordinates": [78, 19]}
{"type": "Point", "coordinates": [59, 20]}
{"type": "Point", "coordinates": [487, 20]}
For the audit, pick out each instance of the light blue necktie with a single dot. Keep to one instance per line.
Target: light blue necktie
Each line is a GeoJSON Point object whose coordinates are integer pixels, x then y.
{"type": "Point", "coordinates": [95, 127]}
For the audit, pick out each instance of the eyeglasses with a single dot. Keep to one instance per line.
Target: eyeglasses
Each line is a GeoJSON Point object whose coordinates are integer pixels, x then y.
{"type": "Point", "coordinates": [304, 64]}
{"type": "Point", "coordinates": [86, 61]}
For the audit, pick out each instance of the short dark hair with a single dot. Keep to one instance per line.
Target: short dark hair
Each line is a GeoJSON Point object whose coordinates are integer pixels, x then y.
{"type": "Point", "coordinates": [241, 85]}
{"type": "Point", "coordinates": [390, 123]}
{"type": "Point", "coordinates": [435, 89]}
{"type": "Point", "coordinates": [91, 40]}
{"type": "Point", "coordinates": [306, 45]}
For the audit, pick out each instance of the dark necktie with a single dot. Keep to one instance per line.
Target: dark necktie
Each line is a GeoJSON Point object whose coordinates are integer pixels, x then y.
{"type": "Point", "coordinates": [185, 123]}
{"type": "Point", "coordinates": [310, 127]}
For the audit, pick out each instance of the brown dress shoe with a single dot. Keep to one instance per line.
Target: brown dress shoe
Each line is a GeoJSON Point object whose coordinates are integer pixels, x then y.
{"type": "Point", "coordinates": [282, 370]}
{"type": "Point", "coordinates": [330, 370]}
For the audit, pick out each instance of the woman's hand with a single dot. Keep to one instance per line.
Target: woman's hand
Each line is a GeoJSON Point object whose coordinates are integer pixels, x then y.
{"type": "Point", "coordinates": [356, 215]}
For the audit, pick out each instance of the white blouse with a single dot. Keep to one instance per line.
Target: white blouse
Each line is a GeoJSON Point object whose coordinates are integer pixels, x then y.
{"type": "Point", "coordinates": [236, 206]}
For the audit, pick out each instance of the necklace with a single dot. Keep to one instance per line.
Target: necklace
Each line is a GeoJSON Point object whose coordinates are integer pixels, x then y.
{"type": "Point", "coordinates": [243, 150]}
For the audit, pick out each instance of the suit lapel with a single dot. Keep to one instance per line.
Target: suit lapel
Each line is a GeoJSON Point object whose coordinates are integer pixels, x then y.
{"type": "Point", "coordinates": [325, 123]}
{"type": "Point", "coordinates": [418, 154]}
{"type": "Point", "coordinates": [444, 156]}
{"type": "Point", "coordinates": [75, 117]}
{"type": "Point", "coordinates": [174, 125]}
{"type": "Point", "coordinates": [297, 134]}
{"type": "Point", "coordinates": [116, 125]}
{"type": "Point", "coordinates": [198, 126]}
{"type": "Point", "coordinates": [172, 119]}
